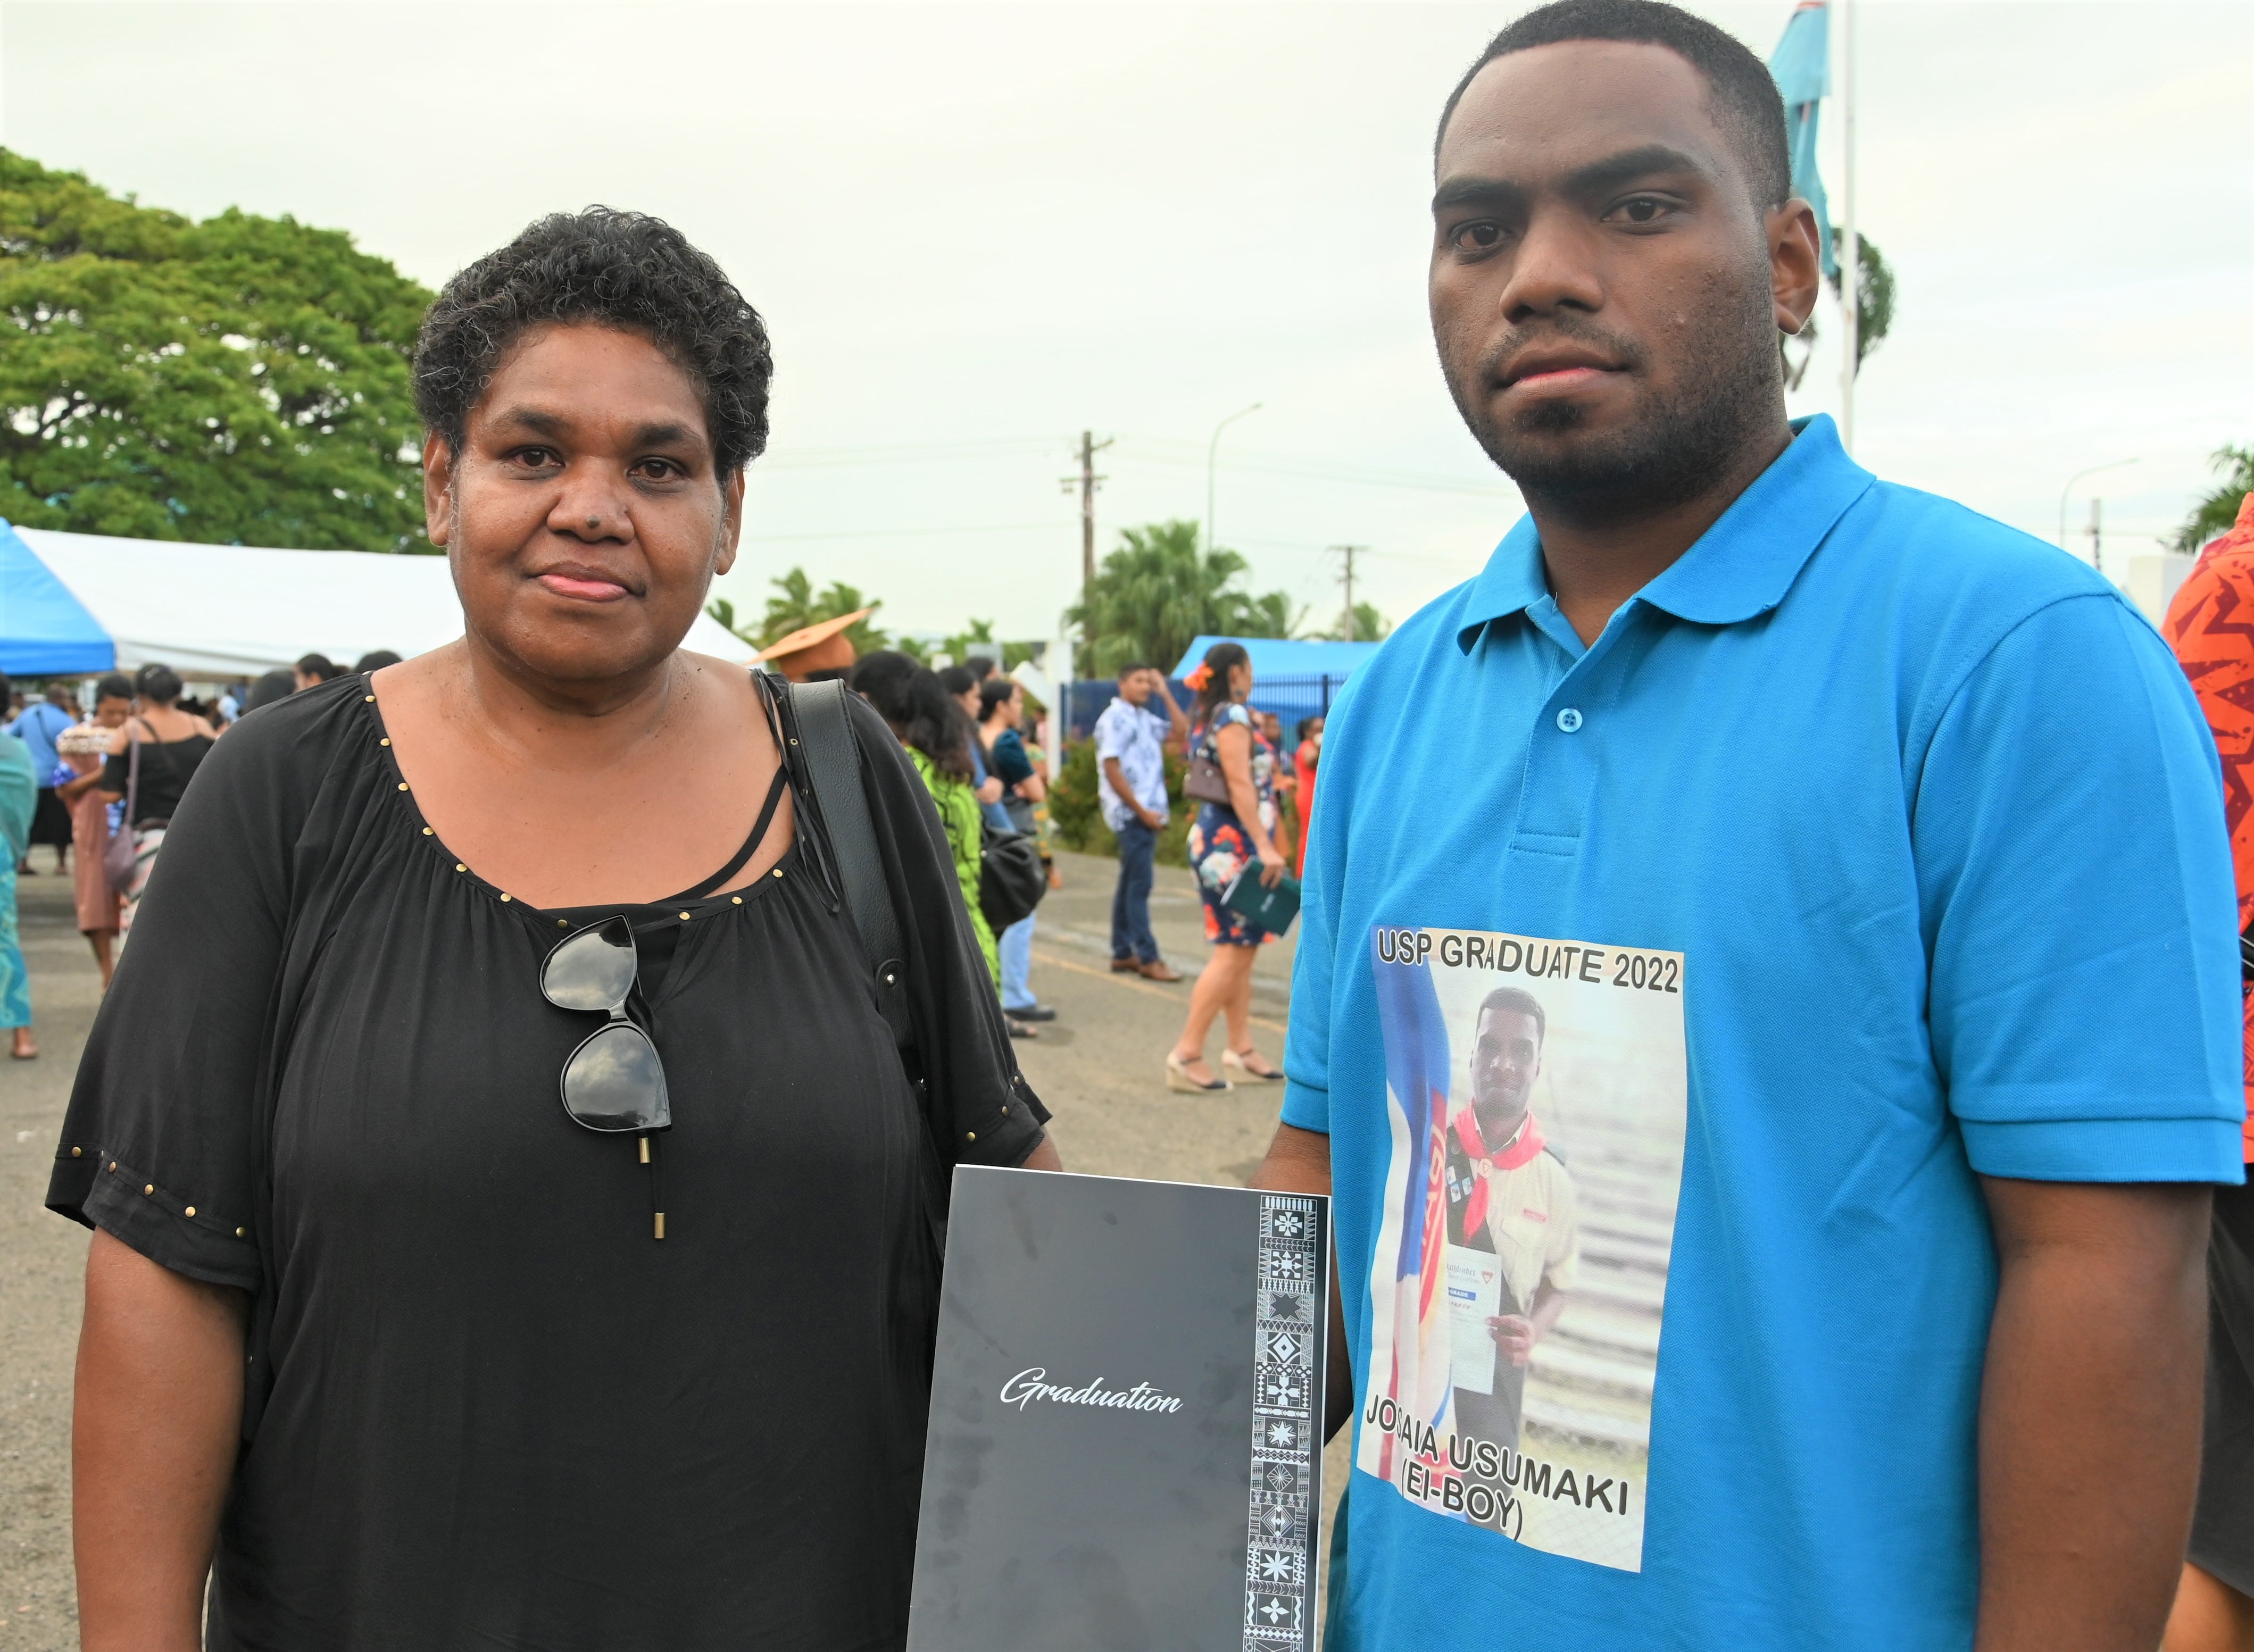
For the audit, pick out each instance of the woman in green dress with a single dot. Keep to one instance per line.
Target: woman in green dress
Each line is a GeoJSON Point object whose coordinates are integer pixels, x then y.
{"type": "Point", "coordinates": [937, 734]}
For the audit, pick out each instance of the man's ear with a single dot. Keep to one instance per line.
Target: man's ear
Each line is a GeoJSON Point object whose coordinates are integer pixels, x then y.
{"type": "Point", "coordinates": [437, 488]}
{"type": "Point", "coordinates": [1795, 264]}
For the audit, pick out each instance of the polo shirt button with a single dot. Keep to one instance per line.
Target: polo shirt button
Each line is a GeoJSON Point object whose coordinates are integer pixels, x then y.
{"type": "Point", "coordinates": [1569, 721]}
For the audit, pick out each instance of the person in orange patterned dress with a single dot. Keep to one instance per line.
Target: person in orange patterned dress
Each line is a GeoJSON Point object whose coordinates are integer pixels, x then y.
{"type": "Point", "coordinates": [2210, 625]}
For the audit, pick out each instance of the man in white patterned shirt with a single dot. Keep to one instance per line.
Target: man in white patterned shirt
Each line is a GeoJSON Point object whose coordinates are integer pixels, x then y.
{"type": "Point", "coordinates": [1131, 742]}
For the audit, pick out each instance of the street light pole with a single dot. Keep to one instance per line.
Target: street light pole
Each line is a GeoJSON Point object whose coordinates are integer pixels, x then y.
{"type": "Point", "coordinates": [2112, 465]}
{"type": "Point", "coordinates": [1212, 451]}
{"type": "Point", "coordinates": [1851, 243]}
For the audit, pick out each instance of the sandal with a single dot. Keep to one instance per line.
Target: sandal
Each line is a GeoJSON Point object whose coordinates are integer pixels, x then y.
{"type": "Point", "coordinates": [1178, 1077]}
{"type": "Point", "coordinates": [1242, 1062]}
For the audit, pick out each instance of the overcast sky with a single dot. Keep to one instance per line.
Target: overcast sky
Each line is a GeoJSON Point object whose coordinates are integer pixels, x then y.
{"type": "Point", "coordinates": [975, 230]}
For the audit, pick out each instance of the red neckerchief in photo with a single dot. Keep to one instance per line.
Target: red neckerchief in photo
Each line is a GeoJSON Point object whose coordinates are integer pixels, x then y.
{"type": "Point", "coordinates": [1519, 1150]}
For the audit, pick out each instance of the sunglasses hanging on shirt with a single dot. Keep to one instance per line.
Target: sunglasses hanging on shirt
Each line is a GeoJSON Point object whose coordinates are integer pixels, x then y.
{"type": "Point", "coordinates": [612, 1081]}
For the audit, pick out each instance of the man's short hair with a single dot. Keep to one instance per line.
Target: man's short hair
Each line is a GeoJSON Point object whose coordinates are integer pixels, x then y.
{"type": "Point", "coordinates": [1126, 671]}
{"type": "Point", "coordinates": [1743, 97]}
{"type": "Point", "coordinates": [1516, 999]}
{"type": "Point", "coordinates": [623, 270]}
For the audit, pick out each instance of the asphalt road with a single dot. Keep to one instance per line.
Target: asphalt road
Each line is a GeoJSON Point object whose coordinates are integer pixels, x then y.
{"type": "Point", "coordinates": [42, 1261]}
{"type": "Point", "coordinates": [1099, 1065]}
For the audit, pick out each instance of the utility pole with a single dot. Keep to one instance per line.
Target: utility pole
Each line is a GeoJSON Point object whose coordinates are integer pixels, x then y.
{"type": "Point", "coordinates": [1087, 481]}
{"type": "Point", "coordinates": [2097, 535]}
{"type": "Point", "coordinates": [1851, 244]}
{"type": "Point", "coordinates": [1346, 630]}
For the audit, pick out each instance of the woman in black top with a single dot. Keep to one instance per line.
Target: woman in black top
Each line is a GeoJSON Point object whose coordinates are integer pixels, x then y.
{"type": "Point", "coordinates": [172, 744]}
{"type": "Point", "coordinates": [369, 1310]}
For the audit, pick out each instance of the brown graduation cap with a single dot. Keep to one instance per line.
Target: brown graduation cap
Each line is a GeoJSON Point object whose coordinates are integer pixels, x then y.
{"type": "Point", "coordinates": [822, 647]}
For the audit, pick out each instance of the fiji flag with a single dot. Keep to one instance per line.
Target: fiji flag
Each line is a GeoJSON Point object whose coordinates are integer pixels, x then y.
{"type": "Point", "coordinates": [1416, 1069]}
{"type": "Point", "coordinates": [1802, 70]}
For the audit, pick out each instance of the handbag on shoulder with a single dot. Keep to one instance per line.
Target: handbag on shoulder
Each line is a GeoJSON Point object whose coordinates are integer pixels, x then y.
{"type": "Point", "coordinates": [1011, 879]}
{"type": "Point", "coordinates": [118, 856]}
{"type": "Point", "coordinates": [1202, 777]}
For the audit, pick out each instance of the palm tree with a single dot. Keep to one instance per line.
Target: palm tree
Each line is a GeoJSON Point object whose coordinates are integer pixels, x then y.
{"type": "Point", "coordinates": [2216, 513]}
{"type": "Point", "coordinates": [1160, 592]}
{"type": "Point", "coordinates": [796, 605]}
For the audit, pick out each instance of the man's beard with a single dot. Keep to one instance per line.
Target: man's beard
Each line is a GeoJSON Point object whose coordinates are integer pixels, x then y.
{"type": "Point", "coordinates": [1680, 441]}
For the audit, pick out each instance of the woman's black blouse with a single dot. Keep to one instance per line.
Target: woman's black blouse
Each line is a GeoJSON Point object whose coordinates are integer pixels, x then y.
{"type": "Point", "coordinates": [166, 768]}
{"type": "Point", "coordinates": [486, 1409]}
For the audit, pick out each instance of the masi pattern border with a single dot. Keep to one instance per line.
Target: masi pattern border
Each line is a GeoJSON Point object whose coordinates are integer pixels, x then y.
{"type": "Point", "coordinates": [1282, 1511]}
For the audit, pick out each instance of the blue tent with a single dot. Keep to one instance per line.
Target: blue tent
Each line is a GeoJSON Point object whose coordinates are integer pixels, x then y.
{"type": "Point", "coordinates": [45, 630]}
{"type": "Point", "coordinates": [1278, 657]}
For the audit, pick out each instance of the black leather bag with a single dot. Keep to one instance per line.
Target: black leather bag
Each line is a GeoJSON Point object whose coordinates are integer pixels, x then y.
{"type": "Point", "coordinates": [1011, 879]}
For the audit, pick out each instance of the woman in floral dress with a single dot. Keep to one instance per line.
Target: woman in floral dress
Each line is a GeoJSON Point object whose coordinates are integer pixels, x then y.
{"type": "Point", "coordinates": [1228, 839]}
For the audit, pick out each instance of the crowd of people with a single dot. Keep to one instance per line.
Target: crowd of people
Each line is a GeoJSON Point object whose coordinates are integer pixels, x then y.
{"type": "Point", "coordinates": [519, 1173]}
{"type": "Point", "coordinates": [109, 759]}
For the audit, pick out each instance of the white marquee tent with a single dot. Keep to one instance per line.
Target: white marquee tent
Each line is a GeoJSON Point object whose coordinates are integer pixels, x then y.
{"type": "Point", "coordinates": [216, 612]}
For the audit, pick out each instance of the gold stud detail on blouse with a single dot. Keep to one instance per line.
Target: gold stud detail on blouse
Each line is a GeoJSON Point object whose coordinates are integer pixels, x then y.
{"type": "Point", "coordinates": [504, 901]}
{"type": "Point", "coordinates": [563, 923]}
{"type": "Point", "coordinates": [778, 871]}
{"type": "Point", "coordinates": [685, 917]}
{"type": "Point", "coordinates": [459, 867]}
{"type": "Point", "coordinates": [241, 1233]}
{"type": "Point", "coordinates": [739, 899]}
{"type": "Point", "coordinates": [426, 831]}
{"type": "Point", "coordinates": [386, 741]}
{"type": "Point", "coordinates": [113, 1166]}
{"type": "Point", "coordinates": [75, 1151]}
{"type": "Point", "coordinates": [369, 698]}
{"type": "Point", "coordinates": [150, 1188]}
{"type": "Point", "coordinates": [970, 1135]}
{"type": "Point", "coordinates": [403, 786]}
{"type": "Point", "coordinates": [190, 1211]}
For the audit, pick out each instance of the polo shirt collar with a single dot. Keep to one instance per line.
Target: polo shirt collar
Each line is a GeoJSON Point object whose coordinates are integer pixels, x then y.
{"type": "Point", "coordinates": [1740, 568]}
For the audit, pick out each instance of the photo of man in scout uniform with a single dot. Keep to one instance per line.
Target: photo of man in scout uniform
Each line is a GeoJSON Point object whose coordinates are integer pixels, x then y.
{"type": "Point", "coordinates": [1509, 1196]}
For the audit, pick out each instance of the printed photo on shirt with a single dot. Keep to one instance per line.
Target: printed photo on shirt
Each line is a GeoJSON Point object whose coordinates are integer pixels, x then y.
{"type": "Point", "coordinates": [1536, 1093]}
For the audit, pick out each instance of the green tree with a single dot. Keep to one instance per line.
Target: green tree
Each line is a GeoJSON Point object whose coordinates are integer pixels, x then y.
{"type": "Point", "coordinates": [1874, 311]}
{"type": "Point", "coordinates": [2216, 513]}
{"type": "Point", "coordinates": [796, 604]}
{"type": "Point", "coordinates": [1368, 625]}
{"type": "Point", "coordinates": [1160, 591]}
{"type": "Point", "coordinates": [975, 637]}
{"type": "Point", "coordinates": [243, 381]}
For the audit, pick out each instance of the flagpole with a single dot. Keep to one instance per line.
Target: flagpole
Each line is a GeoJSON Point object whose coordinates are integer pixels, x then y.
{"type": "Point", "coordinates": [1851, 249]}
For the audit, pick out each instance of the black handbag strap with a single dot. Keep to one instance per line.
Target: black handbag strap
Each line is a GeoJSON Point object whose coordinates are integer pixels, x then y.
{"type": "Point", "coordinates": [833, 768]}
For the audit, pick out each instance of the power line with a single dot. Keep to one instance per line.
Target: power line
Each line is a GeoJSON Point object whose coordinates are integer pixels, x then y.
{"type": "Point", "coordinates": [1153, 450]}
{"type": "Point", "coordinates": [1318, 469]}
{"type": "Point", "coordinates": [898, 453]}
{"type": "Point", "coordinates": [904, 533]}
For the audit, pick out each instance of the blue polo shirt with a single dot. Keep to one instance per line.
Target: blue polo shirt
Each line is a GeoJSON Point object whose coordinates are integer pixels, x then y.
{"type": "Point", "coordinates": [1872, 847]}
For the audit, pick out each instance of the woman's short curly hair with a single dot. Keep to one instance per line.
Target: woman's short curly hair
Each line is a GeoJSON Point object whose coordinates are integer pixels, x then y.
{"type": "Point", "coordinates": [619, 269]}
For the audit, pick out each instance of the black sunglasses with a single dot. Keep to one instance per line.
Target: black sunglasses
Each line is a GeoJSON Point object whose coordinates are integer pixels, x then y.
{"type": "Point", "coordinates": [612, 1082]}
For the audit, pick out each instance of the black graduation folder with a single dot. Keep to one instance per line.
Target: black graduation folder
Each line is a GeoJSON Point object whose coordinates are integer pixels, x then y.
{"type": "Point", "coordinates": [1126, 1419]}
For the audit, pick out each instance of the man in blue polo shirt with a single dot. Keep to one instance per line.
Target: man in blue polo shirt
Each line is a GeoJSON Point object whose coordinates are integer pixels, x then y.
{"type": "Point", "coordinates": [1864, 858]}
